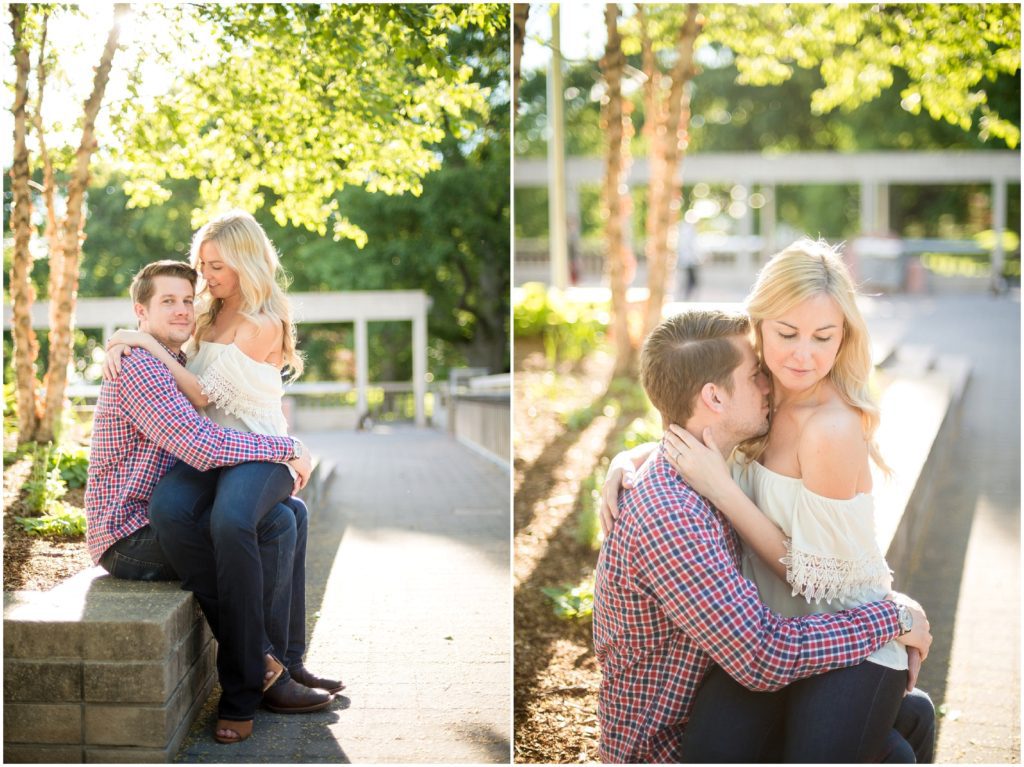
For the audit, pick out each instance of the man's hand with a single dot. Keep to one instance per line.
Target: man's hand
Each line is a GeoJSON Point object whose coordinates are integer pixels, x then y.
{"type": "Point", "coordinates": [920, 636]}
{"type": "Point", "coordinates": [303, 466]}
{"type": "Point", "coordinates": [621, 476]}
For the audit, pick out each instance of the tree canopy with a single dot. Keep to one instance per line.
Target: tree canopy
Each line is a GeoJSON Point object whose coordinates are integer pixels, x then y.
{"type": "Point", "coordinates": [371, 141]}
{"type": "Point", "coordinates": [812, 76]}
{"type": "Point", "coordinates": [302, 101]}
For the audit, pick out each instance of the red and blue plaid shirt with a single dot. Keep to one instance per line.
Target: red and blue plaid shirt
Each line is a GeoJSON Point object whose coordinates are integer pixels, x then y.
{"type": "Point", "coordinates": [670, 600]}
{"type": "Point", "coordinates": [142, 426]}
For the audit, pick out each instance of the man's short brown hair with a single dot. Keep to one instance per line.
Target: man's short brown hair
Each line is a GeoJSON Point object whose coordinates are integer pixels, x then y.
{"type": "Point", "coordinates": [142, 285]}
{"type": "Point", "coordinates": [685, 352]}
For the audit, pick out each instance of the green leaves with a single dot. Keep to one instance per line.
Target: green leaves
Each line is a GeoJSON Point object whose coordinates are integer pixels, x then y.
{"type": "Point", "coordinates": [948, 51]}
{"type": "Point", "coordinates": [291, 106]}
{"type": "Point", "coordinates": [572, 602]}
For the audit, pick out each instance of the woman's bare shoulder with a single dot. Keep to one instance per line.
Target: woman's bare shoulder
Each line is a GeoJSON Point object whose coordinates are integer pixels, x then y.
{"type": "Point", "coordinates": [833, 451]}
{"type": "Point", "coordinates": [258, 337]}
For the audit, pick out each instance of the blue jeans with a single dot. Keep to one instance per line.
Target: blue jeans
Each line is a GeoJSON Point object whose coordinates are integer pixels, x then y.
{"type": "Point", "coordinates": [233, 541]}
{"type": "Point", "coordinates": [845, 715]}
{"type": "Point", "coordinates": [138, 557]}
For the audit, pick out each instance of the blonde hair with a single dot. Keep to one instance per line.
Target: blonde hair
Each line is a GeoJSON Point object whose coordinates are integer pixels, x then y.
{"type": "Point", "coordinates": [245, 247]}
{"type": "Point", "coordinates": [685, 352]}
{"type": "Point", "coordinates": [805, 269]}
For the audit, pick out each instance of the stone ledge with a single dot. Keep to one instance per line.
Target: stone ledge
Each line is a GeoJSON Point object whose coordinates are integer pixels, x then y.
{"type": "Point", "coordinates": [103, 670]}
{"type": "Point", "coordinates": [920, 408]}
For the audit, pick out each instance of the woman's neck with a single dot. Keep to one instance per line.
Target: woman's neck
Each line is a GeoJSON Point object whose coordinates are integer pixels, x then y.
{"type": "Point", "coordinates": [783, 397]}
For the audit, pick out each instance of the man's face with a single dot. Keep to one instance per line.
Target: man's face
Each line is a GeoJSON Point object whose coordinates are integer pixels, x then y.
{"type": "Point", "coordinates": [170, 316]}
{"type": "Point", "coordinates": [746, 410]}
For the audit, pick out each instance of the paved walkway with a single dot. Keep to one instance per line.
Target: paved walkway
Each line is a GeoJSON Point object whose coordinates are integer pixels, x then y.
{"type": "Point", "coordinates": [967, 573]}
{"type": "Point", "coordinates": [409, 601]}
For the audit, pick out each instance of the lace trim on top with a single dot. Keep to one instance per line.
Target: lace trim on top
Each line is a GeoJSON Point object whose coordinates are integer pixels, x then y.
{"type": "Point", "coordinates": [818, 577]}
{"type": "Point", "coordinates": [232, 399]}
{"type": "Point", "coordinates": [238, 385]}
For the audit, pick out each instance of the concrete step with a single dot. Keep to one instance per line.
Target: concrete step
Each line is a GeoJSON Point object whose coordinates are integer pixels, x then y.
{"type": "Point", "coordinates": [920, 407]}
{"type": "Point", "coordinates": [101, 669]}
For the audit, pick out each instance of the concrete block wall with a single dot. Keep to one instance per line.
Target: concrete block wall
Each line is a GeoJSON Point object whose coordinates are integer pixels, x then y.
{"type": "Point", "coordinates": [103, 670]}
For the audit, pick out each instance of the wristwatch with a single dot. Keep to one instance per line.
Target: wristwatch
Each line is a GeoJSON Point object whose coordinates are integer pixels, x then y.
{"type": "Point", "coordinates": [906, 619]}
{"type": "Point", "coordinates": [297, 449]}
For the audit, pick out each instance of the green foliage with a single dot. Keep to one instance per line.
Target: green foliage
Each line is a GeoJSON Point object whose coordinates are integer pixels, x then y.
{"type": "Point", "coordinates": [628, 394]}
{"type": "Point", "coordinates": [62, 521]}
{"type": "Point", "coordinates": [289, 112]}
{"type": "Point", "coordinates": [10, 405]}
{"type": "Point", "coordinates": [569, 329]}
{"type": "Point", "coordinates": [588, 523]}
{"type": "Point", "coordinates": [644, 429]}
{"type": "Point", "coordinates": [772, 77]}
{"type": "Point", "coordinates": [581, 418]}
{"type": "Point", "coordinates": [44, 488]}
{"type": "Point", "coordinates": [572, 602]}
{"type": "Point", "coordinates": [950, 54]}
{"type": "Point", "coordinates": [73, 464]}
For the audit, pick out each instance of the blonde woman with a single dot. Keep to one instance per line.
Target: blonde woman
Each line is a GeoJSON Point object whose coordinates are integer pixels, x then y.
{"type": "Point", "coordinates": [244, 343]}
{"type": "Point", "coordinates": [800, 498]}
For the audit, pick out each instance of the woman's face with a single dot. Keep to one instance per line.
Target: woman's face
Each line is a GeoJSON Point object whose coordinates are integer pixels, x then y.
{"type": "Point", "coordinates": [221, 279]}
{"type": "Point", "coordinates": [800, 346]}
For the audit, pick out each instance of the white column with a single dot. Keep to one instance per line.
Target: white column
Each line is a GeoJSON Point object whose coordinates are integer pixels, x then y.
{"type": "Point", "coordinates": [998, 226]}
{"type": "Point", "coordinates": [868, 207]}
{"type": "Point", "coordinates": [362, 367]}
{"type": "Point", "coordinates": [745, 256]}
{"type": "Point", "coordinates": [768, 222]}
{"type": "Point", "coordinates": [419, 363]}
{"type": "Point", "coordinates": [556, 160]}
{"type": "Point", "coordinates": [882, 207]}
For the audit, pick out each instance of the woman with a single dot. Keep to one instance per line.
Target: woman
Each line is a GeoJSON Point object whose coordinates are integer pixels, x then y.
{"type": "Point", "coordinates": [800, 499]}
{"type": "Point", "coordinates": [244, 339]}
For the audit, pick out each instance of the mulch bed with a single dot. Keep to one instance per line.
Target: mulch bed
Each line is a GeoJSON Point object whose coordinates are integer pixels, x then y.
{"type": "Point", "coordinates": [556, 673]}
{"type": "Point", "coordinates": [33, 562]}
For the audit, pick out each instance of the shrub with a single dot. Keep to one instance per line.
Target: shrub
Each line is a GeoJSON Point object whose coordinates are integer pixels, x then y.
{"type": "Point", "coordinates": [588, 524]}
{"type": "Point", "coordinates": [573, 602]}
{"type": "Point", "coordinates": [73, 463]}
{"type": "Point", "coordinates": [64, 521]}
{"type": "Point", "coordinates": [44, 487]}
{"type": "Point", "coordinates": [569, 329]}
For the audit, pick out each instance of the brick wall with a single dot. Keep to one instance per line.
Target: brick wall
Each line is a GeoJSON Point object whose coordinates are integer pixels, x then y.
{"type": "Point", "coordinates": [103, 670]}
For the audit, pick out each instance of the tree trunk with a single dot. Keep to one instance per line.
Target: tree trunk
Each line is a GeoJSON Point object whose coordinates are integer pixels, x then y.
{"type": "Point", "coordinates": [666, 189]}
{"type": "Point", "coordinates": [54, 230]}
{"type": "Point", "coordinates": [72, 234]}
{"type": "Point", "coordinates": [520, 13]}
{"type": "Point", "coordinates": [616, 162]}
{"type": "Point", "coordinates": [26, 347]}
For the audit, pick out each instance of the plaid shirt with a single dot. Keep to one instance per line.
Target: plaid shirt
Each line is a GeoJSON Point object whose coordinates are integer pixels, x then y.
{"type": "Point", "coordinates": [142, 426]}
{"type": "Point", "coordinates": [669, 600]}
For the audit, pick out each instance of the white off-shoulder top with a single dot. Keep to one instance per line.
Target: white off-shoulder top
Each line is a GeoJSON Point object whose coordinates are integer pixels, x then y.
{"type": "Point", "coordinates": [834, 562]}
{"type": "Point", "coordinates": [244, 394]}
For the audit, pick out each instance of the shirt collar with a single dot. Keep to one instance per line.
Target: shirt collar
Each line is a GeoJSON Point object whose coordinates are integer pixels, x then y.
{"type": "Point", "coordinates": [180, 355]}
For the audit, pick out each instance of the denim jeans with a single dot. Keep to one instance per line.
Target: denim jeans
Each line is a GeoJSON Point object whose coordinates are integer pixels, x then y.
{"type": "Point", "coordinates": [853, 714]}
{"type": "Point", "coordinates": [217, 527]}
{"type": "Point", "coordinates": [138, 557]}
{"type": "Point", "coordinates": [285, 609]}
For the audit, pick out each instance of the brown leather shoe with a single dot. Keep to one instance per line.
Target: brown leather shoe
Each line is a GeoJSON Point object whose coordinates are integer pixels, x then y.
{"type": "Point", "coordinates": [302, 675]}
{"type": "Point", "coordinates": [290, 697]}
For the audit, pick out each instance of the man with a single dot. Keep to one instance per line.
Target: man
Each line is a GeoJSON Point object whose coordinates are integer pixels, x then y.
{"type": "Point", "coordinates": [143, 425]}
{"type": "Point", "coordinates": [669, 596]}
{"type": "Point", "coordinates": [688, 255]}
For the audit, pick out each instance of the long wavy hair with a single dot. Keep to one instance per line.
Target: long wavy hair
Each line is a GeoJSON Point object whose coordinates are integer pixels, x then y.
{"type": "Point", "coordinates": [805, 269]}
{"type": "Point", "coordinates": [245, 247]}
